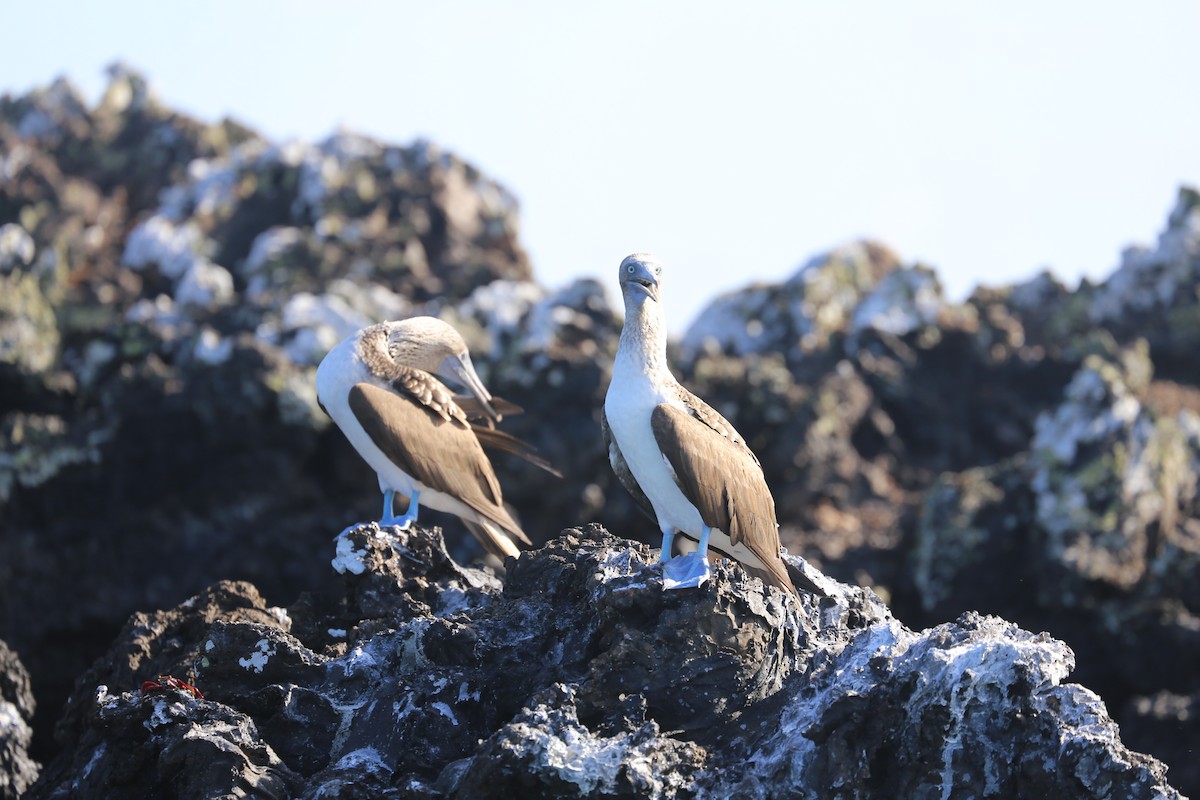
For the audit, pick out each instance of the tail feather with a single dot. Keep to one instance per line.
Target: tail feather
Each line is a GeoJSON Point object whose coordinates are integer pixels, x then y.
{"type": "Point", "coordinates": [775, 573]}
{"type": "Point", "coordinates": [494, 540]}
{"type": "Point", "coordinates": [507, 443]}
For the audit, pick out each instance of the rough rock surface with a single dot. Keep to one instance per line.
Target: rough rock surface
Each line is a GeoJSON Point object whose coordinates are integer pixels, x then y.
{"type": "Point", "coordinates": [1032, 453]}
{"type": "Point", "coordinates": [578, 676]}
{"type": "Point", "coordinates": [17, 770]}
{"type": "Point", "coordinates": [167, 284]}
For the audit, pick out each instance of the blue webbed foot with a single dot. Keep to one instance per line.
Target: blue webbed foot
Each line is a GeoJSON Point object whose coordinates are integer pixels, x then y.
{"type": "Point", "coordinates": [404, 521]}
{"type": "Point", "coordinates": [686, 572]}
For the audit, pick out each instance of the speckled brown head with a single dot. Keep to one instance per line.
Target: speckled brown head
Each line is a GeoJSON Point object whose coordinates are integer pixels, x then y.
{"type": "Point", "coordinates": [424, 343]}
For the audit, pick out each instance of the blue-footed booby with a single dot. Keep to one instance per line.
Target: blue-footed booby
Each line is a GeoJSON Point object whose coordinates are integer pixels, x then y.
{"type": "Point", "coordinates": [681, 460]}
{"type": "Point", "coordinates": [379, 386]}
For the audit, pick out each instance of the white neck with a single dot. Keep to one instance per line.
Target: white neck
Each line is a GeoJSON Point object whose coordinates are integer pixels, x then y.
{"type": "Point", "coordinates": [643, 344]}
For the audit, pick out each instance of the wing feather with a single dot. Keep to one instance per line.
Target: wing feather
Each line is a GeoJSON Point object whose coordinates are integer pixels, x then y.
{"type": "Point", "coordinates": [476, 412]}
{"type": "Point", "coordinates": [435, 445]}
{"type": "Point", "coordinates": [507, 443]}
{"type": "Point", "coordinates": [717, 473]}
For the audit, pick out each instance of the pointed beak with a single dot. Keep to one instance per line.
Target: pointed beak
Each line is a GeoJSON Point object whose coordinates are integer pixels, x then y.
{"type": "Point", "coordinates": [643, 284]}
{"type": "Point", "coordinates": [460, 370]}
{"type": "Point", "coordinates": [640, 286]}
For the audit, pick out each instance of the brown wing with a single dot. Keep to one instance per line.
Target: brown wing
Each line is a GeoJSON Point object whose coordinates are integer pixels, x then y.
{"type": "Point", "coordinates": [719, 475]}
{"type": "Point", "coordinates": [435, 447]}
{"type": "Point", "coordinates": [710, 417]}
{"type": "Point", "coordinates": [621, 469]}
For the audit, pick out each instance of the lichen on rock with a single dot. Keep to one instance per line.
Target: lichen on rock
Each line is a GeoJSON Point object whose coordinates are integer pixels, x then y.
{"type": "Point", "coordinates": [581, 677]}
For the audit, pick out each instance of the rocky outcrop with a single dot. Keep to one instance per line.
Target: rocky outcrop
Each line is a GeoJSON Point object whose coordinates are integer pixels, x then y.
{"type": "Point", "coordinates": [1153, 293]}
{"type": "Point", "coordinates": [166, 288]}
{"type": "Point", "coordinates": [578, 676]}
{"type": "Point", "coordinates": [1007, 455]}
{"type": "Point", "coordinates": [167, 284]}
{"type": "Point", "coordinates": [17, 770]}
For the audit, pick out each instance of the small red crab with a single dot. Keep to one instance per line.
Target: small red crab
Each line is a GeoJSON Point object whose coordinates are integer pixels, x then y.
{"type": "Point", "coordinates": [166, 682]}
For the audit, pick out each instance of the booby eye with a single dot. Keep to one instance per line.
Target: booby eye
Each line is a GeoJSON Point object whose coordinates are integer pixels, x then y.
{"type": "Point", "coordinates": [630, 269]}
{"type": "Point", "coordinates": [658, 270]}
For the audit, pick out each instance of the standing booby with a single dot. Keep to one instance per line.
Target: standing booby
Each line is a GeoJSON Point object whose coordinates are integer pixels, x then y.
{"type": "Point", "coordinates": [379, 386]}
{"type": "Point", "coordinates": [678, 457]}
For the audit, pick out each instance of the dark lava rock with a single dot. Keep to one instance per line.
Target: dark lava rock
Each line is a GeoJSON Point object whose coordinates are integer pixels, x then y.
{"type": "Point", "coordinates": [578, 677]}
{"type": "Point", "coordinates": [17, 770]}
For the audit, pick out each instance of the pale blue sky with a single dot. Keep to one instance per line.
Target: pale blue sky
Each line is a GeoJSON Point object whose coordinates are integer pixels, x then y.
{"type": "Point", "coordinates": [987, 139]}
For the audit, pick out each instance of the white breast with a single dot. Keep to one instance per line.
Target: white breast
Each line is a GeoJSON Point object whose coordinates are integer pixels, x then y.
{"type": "Point", "coordinates": [338, 372]}
{"type": "Point", "coordinates": [630, 400]}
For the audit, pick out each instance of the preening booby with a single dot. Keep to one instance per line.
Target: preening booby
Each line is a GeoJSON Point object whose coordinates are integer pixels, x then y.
{"type": "Point", "coordinates": [681, 460]}
{"type": "Point", "coordinates": [379, 386]}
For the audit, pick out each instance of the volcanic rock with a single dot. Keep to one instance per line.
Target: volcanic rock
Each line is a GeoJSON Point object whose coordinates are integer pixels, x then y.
{"type": "Point", "coordinates": [578, 677]}
{"type": "Point", "coordinates": [17, 770]}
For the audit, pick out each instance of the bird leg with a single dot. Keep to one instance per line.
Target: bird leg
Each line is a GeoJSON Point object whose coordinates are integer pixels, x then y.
{"type": "Point", "coordinates": [389, 515]}
{"type": "Point", "coordinates": [668, 533]}
{"type": "Point", "coordinates": [691, 570]}
{"type": "Point", "coordinates": [702, 548]}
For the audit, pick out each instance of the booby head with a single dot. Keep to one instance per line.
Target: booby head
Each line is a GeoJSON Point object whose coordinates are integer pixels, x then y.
{"type": "Point", "coordinates": [639, 276]}
{"type": "Point", "coordinates": [429, 344]}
